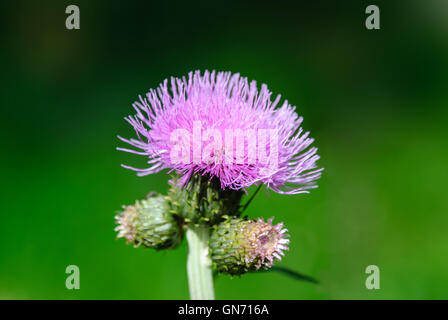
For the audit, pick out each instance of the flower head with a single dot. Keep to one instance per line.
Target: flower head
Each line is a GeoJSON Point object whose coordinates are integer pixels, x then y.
{"type": "Point", "coordinates": [238, 245]}
{"type": "Point", "coordinates": [220, 125]}
{"type": "Point", "coordinates": [150, 224]}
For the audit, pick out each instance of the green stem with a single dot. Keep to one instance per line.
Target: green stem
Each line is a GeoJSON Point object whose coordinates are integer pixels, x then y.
{"type": "Point", "coordinates": [200, 280]}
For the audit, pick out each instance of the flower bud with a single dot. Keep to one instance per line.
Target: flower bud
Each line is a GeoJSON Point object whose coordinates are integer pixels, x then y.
{"type": "Point", "coordinates": [203, 201]}
{"type": "Point", "coordinates": [238, 245]}
{"type": "Point", "coordinates": [149, 223]}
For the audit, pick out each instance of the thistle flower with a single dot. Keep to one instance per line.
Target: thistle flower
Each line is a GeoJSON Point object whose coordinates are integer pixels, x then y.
{"type": "Point", "coordinates": [150, 224]}
{"type": "Point", "coordinates": [238, 246]}
{"type": "Point", "coordinates": [173, 125]}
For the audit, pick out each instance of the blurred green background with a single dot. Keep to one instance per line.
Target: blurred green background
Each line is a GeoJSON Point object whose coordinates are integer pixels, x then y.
{"type": "Point", "coordinates": [376, 102]}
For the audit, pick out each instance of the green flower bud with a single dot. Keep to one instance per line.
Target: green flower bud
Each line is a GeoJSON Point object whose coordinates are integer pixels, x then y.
{"type": "Point", "coordinates": [238, 245]}
{"type": "Point", "coordinates": [150, 224]}
{"type": "Point", "coordinates": [203, 201]}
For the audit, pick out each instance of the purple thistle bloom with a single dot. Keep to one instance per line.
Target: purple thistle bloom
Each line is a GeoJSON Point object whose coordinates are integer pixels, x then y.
{"type": "Point", "coordinates": [221, 103]}
{"type": "Point", "coordinates": [267, 241]}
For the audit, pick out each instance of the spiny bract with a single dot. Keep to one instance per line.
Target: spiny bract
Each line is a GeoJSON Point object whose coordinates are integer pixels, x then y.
{"type": "Point", "coordinates": [150, 224]}
{"type": "Point", "coordinates": [238, 245]}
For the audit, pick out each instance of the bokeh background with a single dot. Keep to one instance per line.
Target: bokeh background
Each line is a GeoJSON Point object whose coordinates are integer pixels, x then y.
{"type": "Point", "coordinates": [376, 102]}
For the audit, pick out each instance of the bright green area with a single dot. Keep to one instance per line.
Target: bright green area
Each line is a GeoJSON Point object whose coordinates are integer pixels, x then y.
{"type": "Point", "coordinates": [376, 102]}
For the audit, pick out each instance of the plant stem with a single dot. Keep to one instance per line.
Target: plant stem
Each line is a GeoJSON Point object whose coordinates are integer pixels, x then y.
{"type": "Point", "coordinates": [200, 280]}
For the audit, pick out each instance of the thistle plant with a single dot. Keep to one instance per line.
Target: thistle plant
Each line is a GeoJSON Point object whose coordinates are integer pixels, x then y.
{"type": "Point", "coordinates": [217, 134]}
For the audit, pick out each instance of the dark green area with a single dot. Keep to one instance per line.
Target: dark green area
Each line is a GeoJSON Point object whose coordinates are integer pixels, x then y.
{"type": "Point", "coordinates": [376, 102]}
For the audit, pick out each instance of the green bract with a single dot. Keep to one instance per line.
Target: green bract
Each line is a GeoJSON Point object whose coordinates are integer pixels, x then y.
{"type": "Point", "coordinates": [149, 223]}
{"type": "Point", "coordinates": [203, 202]}
{"type": "Point", "coordinates": [239, 245]}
